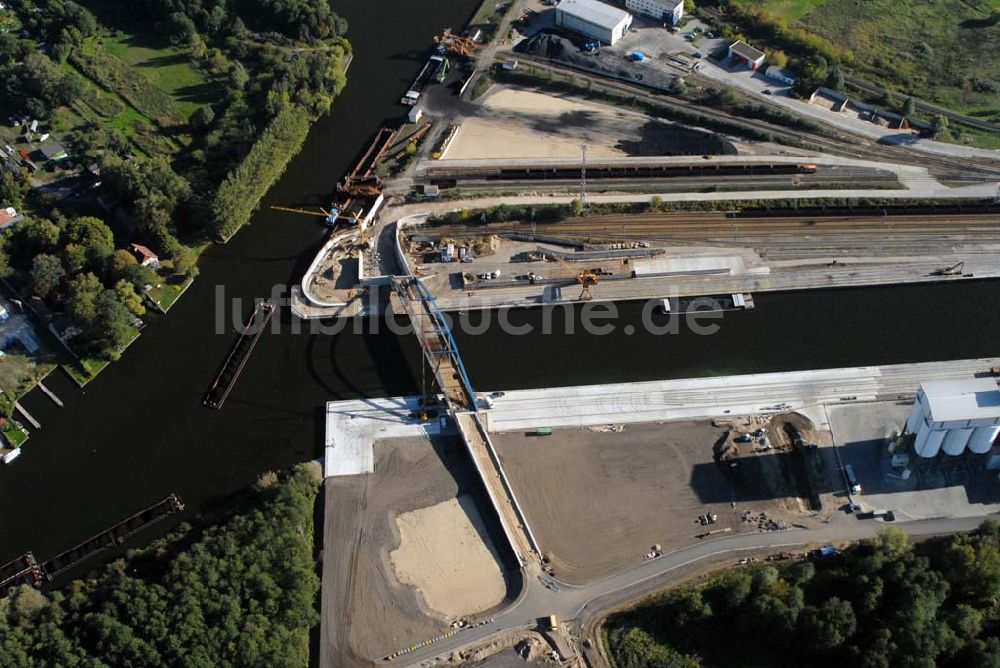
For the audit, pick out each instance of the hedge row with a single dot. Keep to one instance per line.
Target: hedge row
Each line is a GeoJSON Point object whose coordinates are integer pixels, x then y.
{"type": "Point", "coordinates": [244, 187]}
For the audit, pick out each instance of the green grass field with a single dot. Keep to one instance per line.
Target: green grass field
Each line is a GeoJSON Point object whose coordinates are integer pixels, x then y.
{"type": "Point", "coordinates": [167, 68]}
{"type": "Point", "coordinates": [788, 9]}
{"type": "Point", "coordinates": [947, 51]}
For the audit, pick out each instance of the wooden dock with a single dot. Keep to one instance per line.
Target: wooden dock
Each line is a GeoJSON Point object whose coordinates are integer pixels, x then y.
{"type": "Point", "coordinates": [50, 394]}
{"type": "Point", "coordinates": [231, 368]}
{"type": "Point", "coordinates": [27, 416]}
{"type": "Point", "coordinates": [112, 537]}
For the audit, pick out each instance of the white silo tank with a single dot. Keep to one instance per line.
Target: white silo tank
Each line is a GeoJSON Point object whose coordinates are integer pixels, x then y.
{"type": "Point", "coordinates": [982, 439]}
{"type": "Point", "coordinates": [916, 418]}
{"type": "Point", "coordinates": [920, 445]}
{"type": "Point", "coordinates": [954, 442]}
{"type": "Point", "coordinates": [933, 444]}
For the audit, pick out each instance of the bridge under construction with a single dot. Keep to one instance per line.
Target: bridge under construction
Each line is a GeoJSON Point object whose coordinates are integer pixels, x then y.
{"type": "Point", "coordinates": [442, 357]}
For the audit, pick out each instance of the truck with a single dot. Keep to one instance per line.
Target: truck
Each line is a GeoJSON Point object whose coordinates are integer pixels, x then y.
{"type": "Point", "coordinates": [852, 481]}
{"type": "Point", "coordinates": [553, 623]}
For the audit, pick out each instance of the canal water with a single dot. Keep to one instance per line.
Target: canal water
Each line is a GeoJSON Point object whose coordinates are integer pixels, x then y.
{"type": "Point", "coordinates": [139, 431]}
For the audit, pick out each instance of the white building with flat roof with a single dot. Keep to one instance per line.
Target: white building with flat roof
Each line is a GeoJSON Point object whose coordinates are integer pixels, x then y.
{"type": "Point", "coordinates": [668, 11]}
{"type": "Point", "coordinates": [593, 19]}
{"type": "Point", "coordinates": [952, 415]}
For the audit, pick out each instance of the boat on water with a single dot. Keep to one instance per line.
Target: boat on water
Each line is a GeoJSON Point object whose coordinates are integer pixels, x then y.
{"type": "Point", "coordinates": [12, 455]}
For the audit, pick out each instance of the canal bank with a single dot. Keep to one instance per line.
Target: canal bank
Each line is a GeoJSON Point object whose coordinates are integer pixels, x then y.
{"type": "Point", "coordinates": [139, 432]}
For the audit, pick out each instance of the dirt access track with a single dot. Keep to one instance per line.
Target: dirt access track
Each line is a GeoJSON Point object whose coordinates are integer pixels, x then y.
{"type": "Point", "coordinates": [598, 501]}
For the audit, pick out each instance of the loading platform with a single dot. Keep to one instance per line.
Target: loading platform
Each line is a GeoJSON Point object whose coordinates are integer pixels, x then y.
{"type": "Point", "coordinates": [230, 371]}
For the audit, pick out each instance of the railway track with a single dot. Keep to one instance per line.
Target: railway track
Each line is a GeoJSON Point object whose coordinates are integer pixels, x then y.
{"type": "Point", "coordinates": [836, 141]}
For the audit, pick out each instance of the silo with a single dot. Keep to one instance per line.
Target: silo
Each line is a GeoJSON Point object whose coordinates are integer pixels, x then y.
{"type": "Point", "coordinates": [954, 442]}
{"type": "Point", "coordinates": [916, 418]}
{"type": "Point", "coordinates": [920, 446]}
{"type": "Point", "coordinates": [982, 439]}
{"type": "Point", "coordinates": [932, 445]}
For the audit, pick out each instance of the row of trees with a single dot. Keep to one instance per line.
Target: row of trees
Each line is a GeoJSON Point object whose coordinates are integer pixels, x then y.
{"type": "Point", "coordinates": [240, 593]}
{"type": "Point", "coordinates": [246, 185]}
{"type": "Point", "coordinates": [883, 604]}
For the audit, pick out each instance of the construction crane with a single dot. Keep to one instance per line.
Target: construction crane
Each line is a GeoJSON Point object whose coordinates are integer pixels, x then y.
{"type": "Point", "coordinates": [331, 217]}
{"type": "Point", "coordinates": [458, 45]}
{"type": "Point", "coordinates": [586, 278]}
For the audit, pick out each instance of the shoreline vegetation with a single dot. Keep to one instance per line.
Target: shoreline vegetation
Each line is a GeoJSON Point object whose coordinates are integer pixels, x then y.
{"type": "Point", "coordinates": [235, 588]}
{"type": "Point", "coordinates": [882, 602]}
{"type": "Point", "coordinates": [148, 123]}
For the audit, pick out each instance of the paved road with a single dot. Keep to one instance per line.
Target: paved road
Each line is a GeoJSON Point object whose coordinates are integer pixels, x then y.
{"type": "Point", "coordinates": [582, 603]}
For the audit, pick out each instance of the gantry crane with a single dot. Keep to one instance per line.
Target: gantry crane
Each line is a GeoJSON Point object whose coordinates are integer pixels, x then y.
{"type": "Point", "coordinates": [586, 278]}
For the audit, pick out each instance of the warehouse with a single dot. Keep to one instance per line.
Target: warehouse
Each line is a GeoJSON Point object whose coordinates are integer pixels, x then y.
{"type": "Point", "coordinates": [593, 19]}
{"type": "Point", "coordinates": [953, 415]}
{"type": "Point", "coordinates": [668, 11]}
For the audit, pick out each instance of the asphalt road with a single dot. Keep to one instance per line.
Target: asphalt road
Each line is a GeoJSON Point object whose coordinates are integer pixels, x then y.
{"type": "Point", "coordinates": [580, 604]}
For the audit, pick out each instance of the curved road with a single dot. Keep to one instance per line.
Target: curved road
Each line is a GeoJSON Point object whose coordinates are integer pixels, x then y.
{"type": "Point", "coordinates": [581, 604]}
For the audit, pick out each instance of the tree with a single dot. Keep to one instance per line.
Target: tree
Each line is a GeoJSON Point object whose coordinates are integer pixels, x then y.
{"type": "Point", "coordinates": [81, 299]}
{"type": "Point", "coordinates": [909, 107]}
{"type": "Point", "coordinates": [892, 542]}
{"type": "Point", "coordinates": [828, 626]}
{"type": "Point", "coordinates": [128, 297]}
{"type": "Point", "coordinates": [576, 206]}
{"type": "Point", "coordinates": [186, 262]}
{"type": "Point", "coordinates": [46, 273]}
{"type": "Point", "coordinates": [939, 126]}
{"type": "Point", "coordinates": [836, 79]}
{"type": "Point", "coordinates": [5, 268]}
{"type": "Point", "coordinates": [202, 117]}
{"type": "Point", "coordinates": [13, 188]}
{"type": "Point", "coordinates": [678, 86]}
{"type": "Point", "coordinates": [94, 237]}
{"type": "Point", "coordinates": [112, 328]}
{"type": "Point", "coordinates": [779, 58]}
{"type": "Point", "coordinates": [655, 203]}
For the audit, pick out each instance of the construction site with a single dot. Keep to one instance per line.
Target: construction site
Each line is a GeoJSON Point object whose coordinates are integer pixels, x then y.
{"type": "Point", "coordinates": [492, 527]}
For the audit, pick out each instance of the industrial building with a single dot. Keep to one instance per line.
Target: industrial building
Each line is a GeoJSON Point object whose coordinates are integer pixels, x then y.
{"type": "Point", "coordinates": [668, 11]}
{"type": "Point", "coordinates": [955, 415]}
{"type": "Point", "coordinates": [741, 53]}
{"type": "Point", "coordinates": [593, 19]}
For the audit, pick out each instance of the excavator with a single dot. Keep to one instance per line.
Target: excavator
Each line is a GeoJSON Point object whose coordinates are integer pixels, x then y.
{"type": "Point", "coordinates": [951, 270]}
{"type": "Point", "coordinates": [585, 278]}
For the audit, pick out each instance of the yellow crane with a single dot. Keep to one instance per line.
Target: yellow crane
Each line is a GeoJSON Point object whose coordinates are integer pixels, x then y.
{"type": "Point", "coordinates": [586, 278]}
{"type": "Point", "coordinates": [331, 218]}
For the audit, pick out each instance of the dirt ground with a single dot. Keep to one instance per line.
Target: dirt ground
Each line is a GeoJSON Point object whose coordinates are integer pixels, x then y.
{"type": "Point", "coordinates": [379, 614]}
{"type": "Point", "coordinates": [598, 501]}
{"type": "Point", "coordinates": [445, 553]}
{"type": "Point", "coordinates": [518, 123]}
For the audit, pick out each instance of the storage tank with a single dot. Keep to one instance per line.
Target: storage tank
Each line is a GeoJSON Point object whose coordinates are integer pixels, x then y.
{"type": "Point", "coordinates": [916, 418]}
{"type": "Point", "coordinates": [920, 445]}
{"type": "Point", "coordinates": [954, 442]}
{"type": "Point", "coordinates": [982, 439]}
{"type": "Point", "coordinates": [932, 442]}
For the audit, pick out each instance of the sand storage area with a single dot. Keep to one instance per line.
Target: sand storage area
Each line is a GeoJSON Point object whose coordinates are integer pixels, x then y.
{"type": "Point", "coordinates": [445, 552]}
{"type": "Point", "coordinates": [401, 536]}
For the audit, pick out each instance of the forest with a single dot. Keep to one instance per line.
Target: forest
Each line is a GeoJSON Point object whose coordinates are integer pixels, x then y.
{"type": "Point", "coordinates": [239, 591]}
{"type": "Point", "coordinates": [884, 603]}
